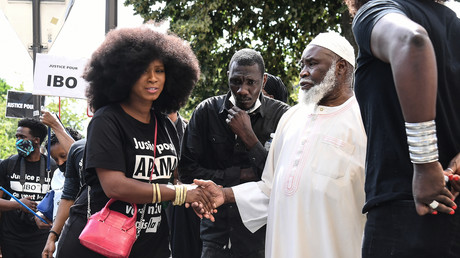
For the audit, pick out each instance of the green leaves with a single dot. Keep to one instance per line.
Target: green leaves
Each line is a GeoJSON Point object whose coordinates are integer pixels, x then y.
{"type": "Point", "coordinates": [216, 29]}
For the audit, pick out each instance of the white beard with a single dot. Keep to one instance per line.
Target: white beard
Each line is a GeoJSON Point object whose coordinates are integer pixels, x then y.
{"type": "Point", "coordinates": [316, 93]}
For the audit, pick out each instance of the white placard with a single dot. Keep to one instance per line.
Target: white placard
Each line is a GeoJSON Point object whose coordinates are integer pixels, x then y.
{"type": "Point", "coordinates": [59, 76]}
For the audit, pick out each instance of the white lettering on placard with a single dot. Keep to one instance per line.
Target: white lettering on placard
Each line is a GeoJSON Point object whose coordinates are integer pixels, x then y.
{"type": "Point", "coordinates": [20, 105]}
{"type": "Point", "coordinates": [164, 166]}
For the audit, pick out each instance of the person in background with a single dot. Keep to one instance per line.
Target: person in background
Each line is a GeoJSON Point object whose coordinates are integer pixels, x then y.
{"type": "Point", "coordinates": [183, 223]}
{"type": "Point", "coordinates": [25, 176]}
{"type": "Point", "coordinates": [407, 85]}
{"type": "Point", "coordinates": [74, 180]}
{"type": "Point", "coordinates": [312, 188]}
{"type": "Point", "coordinates": [275, 88]}
{"type": "Point", "coordinates": [59, 155]}
{"type": "Point", "coordinates": [135, 77]}
{"type": "Point", "coordinates": [224, 142]}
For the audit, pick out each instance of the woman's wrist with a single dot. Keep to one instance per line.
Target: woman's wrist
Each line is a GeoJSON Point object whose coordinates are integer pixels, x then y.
{"type": "Point", "coordinates": [53, 235]}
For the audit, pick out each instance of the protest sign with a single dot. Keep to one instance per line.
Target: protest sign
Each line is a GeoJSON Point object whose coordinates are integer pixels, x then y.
{"type": "Point", "coordinates": [59, 76]}
{"type": "Point", "coordinates": [23, 104]}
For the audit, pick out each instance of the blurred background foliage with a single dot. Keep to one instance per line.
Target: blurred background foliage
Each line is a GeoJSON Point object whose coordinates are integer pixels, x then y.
{"type": "Point", "coordinates": [216, 29]}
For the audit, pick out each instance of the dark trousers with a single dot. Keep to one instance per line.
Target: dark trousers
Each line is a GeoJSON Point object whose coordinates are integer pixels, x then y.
{"type": "Point", "coordinates": [25, 249]}
{"type": "Point", "coordinates": [185, 232]}
{"type": "Point", "coordinates": [69, 245]}
{"type": "Point", "coordinates": [395, 229]}
{"type": "Point", "coordinates": [213, 250]}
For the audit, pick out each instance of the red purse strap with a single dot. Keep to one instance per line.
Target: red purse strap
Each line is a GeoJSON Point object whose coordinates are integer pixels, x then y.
{"type": "Point", "coordinates": [154, 148]}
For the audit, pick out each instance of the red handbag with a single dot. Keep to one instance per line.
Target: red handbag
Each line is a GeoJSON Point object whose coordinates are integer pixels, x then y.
{"type": "Point", "coordinates": [109, 232]}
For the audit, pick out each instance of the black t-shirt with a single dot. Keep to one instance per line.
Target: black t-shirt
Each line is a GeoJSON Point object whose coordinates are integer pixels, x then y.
{"type": "Point", "coordinates": [73, 179]}
{"type": "Point", "coordinates": [117, 141]}
{"type": "Point", "coordinates": [388, 167]}
{"type": "Point", "coordinates": [16, 224]}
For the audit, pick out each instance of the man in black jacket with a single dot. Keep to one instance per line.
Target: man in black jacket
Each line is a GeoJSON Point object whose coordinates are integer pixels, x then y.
{"type": "Point", "coordinates": [227, 141]}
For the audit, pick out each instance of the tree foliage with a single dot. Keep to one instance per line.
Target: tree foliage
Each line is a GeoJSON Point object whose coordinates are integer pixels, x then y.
{"type": "Point", "coordinates": [216, 29]}
{"type": "Point", "coordinates": [72, 112]}
{"type": "Point", "coordinates": [8, 126]}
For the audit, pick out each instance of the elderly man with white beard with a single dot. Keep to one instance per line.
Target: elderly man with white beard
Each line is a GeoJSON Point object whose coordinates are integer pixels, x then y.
{"type": "Point", "coordinates": [312, 188]}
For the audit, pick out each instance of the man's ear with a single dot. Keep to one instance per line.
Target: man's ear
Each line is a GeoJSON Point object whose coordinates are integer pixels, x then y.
{"type": "Point", "coordinates": [36, 140]}
{"type": "Point", "coordinates": [341, 67]}
{"type": "Point", "coordinates": [265, 80]}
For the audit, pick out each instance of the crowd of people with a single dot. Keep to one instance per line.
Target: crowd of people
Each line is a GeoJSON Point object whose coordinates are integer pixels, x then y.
{"type": "Point", "coordinates": [365, 165]}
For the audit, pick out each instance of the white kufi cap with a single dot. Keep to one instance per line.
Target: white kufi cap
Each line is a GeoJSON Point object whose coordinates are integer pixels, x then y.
{"type": "Point", "coordinates": [337, 44]}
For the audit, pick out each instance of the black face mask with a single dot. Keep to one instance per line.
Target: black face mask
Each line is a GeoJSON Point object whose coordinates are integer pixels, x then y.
{"type": "Point", "coordinates": [62, 167]}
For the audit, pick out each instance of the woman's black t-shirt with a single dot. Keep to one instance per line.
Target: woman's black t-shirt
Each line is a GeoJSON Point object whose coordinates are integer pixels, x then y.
{"type": "Point", "coordinates": [117, 141]}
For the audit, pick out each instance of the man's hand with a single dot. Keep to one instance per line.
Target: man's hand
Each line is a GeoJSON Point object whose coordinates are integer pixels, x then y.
{"type": "Point", "coordinates": [41, 224]}
{"type": "Point", "coordinates": [240, 123]}
{"type": "Point", "coordinates": [29, 203]}
{"type": "Point", "coordinates": [197, 195]}
{"type": "Point", "coordinates": [213, 192]}
{"type": "Point", "coordinates": [428, 185]}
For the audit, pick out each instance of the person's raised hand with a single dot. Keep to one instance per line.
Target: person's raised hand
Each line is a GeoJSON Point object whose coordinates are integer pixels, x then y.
{"type": "Point", "coordinates": [49, 119]}
{"type": "Point", "coordinates": [240, 123]}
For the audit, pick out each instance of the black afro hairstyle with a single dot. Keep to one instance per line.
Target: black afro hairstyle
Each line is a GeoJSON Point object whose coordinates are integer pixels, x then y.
{"type": "Point", "coordinates": [248, 57]}
{"type": "Point", "coordinates": [126, 53]}
{"type": "Point", "coordinates": [37, 128]}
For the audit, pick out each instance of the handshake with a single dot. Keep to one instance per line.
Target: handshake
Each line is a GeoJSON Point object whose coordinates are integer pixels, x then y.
{"type": "Point", "coordinates": [206, 196]}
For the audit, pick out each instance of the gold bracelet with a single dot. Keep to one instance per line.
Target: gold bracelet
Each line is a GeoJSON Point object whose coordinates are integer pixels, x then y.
{"type": "Point", "coordinates": [154, 197]}
{"type": "Point", "coordinates": [158, 192]}
{"type": "Point", "coordinates": [181, 195]}
{"type": "Point", "coordinates": [176, 198]}
{"type": "Point", "coordinates": [184, 195]}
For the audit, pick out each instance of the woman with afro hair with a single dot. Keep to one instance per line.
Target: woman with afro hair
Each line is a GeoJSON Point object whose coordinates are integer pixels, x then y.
{"type": "Point", "coordinates": [135, 77]}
